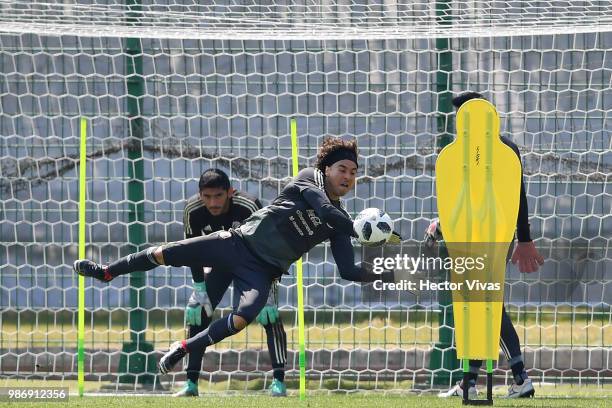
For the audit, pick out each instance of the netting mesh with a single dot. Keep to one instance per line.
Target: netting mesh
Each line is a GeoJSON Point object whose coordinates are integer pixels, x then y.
{"type": "Point", "coordinates": [163, 110]}
{"type": "Point", "coordinates": [306, 19]}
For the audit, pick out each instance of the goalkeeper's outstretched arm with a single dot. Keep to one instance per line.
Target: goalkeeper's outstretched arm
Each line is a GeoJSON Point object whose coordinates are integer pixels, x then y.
{"type": "Point", "coordinates": [342, 250]}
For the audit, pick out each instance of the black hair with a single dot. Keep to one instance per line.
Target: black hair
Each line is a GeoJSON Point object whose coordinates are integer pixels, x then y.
{"type": "Point", "coordinates": [464, 97]}
{"type": "Point", "coordinates": [214, 178]}
{"type": "Point", "coordinates": [330, 146]}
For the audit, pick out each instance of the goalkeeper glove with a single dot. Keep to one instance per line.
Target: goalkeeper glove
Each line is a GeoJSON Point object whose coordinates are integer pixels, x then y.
{"type": "Point", "coordinates": [199, 299]}
{"type": "Point", "coordinates": [433, 233]}
{"type": "Point", "coordinates": [269, 313]}
{"type": "Point", "coordinates": [395, 238]}
{"type": "Point", "coordinates": [528, 258]}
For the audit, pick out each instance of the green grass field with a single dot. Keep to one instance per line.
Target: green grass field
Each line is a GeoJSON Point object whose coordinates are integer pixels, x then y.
{"type": "Point", "coordinates": [318, 401]}
{"type": "Point", "coordinates": [546, 396]}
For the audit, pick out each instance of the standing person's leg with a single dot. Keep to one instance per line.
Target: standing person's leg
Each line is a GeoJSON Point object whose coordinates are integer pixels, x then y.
{"type": "Point", "coordinates": [474, 370]}
{"type": "Point", "coordinates": [277, 347]}
{"type": "Point", "coordinates": [511, 346]}
{"type": "Point", "coordinates": [270, 319]}
{"type": "Point", "coordinates": [217, 282]}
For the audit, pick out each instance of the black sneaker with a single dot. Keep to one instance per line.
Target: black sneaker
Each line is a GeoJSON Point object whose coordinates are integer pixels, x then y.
{"type": "Point", "coordinates": [87, 268]}
{"type": "Point", "coordinates": [169, 360]}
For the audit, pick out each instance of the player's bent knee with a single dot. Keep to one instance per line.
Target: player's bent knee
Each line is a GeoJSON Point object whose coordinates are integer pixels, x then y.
{"type": "Point", "coordinates": [239, 322]}
{"type": "Point", "coordinates": [158, 253]}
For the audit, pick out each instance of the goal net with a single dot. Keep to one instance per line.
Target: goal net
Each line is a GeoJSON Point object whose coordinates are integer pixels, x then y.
{"type": "Point", "coordinates": [171, 88]}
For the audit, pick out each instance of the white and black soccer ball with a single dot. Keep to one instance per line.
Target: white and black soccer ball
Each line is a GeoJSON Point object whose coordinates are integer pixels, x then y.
{"type": "Point", "coordinates": [373, 226]}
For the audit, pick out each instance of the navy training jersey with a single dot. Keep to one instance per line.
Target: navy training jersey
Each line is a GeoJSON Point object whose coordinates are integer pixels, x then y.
{"type": "Point", "coordinates": [198, 221]}
{"type": "Point", "coordinates": [301, 217]}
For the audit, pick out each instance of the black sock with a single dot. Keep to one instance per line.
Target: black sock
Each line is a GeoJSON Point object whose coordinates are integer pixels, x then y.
{"type": "Point", "coordinates": [217, 331]}
{"type": "Point", "coordinates": [194, 376]}
{"type": "Point", "coordinates": [279, 374]}
{"type": "Point", "coordinates": [139, 261]}
{"type": "Point", "coordinates": [472, 379]}
{"type": "Point", "coordinates": [197, 354]}
{"type": "Point", "coordinates": [518, 372]}
{"type": "Point", "coordinates": [472, 375]}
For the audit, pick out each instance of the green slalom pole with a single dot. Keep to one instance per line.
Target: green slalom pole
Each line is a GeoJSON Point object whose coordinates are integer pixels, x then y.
{"type": "Point", "coordinates": [300, 278]}
{"type": "Point", "coordinates": [82, 220]}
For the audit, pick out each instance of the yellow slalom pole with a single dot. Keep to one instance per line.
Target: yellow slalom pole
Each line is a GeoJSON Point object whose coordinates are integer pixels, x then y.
{"type": "Point", "coordinates": [81, 303]}
{"type": "Point", "coordinates": [300, 281]}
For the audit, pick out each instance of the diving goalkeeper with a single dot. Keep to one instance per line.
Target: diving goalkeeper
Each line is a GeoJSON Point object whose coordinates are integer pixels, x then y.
{"type": "Point", "coordinates": [307, 212]}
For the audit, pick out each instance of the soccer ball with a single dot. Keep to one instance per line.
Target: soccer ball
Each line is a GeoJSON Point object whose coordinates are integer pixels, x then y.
{"type": "Point", "coordinates": [373, 226]}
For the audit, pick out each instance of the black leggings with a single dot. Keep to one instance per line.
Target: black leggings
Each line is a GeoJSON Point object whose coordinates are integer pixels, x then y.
{"type": "Point", "coordinates": [508, 341]}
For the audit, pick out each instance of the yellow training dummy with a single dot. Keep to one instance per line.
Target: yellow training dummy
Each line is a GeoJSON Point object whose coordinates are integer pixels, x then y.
{"type": "Point", "coordinates": [478, 181]}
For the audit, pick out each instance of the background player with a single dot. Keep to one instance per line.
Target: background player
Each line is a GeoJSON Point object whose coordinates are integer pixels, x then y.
{"type": "Point", "coordinates": [217, 207]}
{"type": "Point", "coordinates": [529, 260]}
{"type": "Point", "coordinates": [307, 212]}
